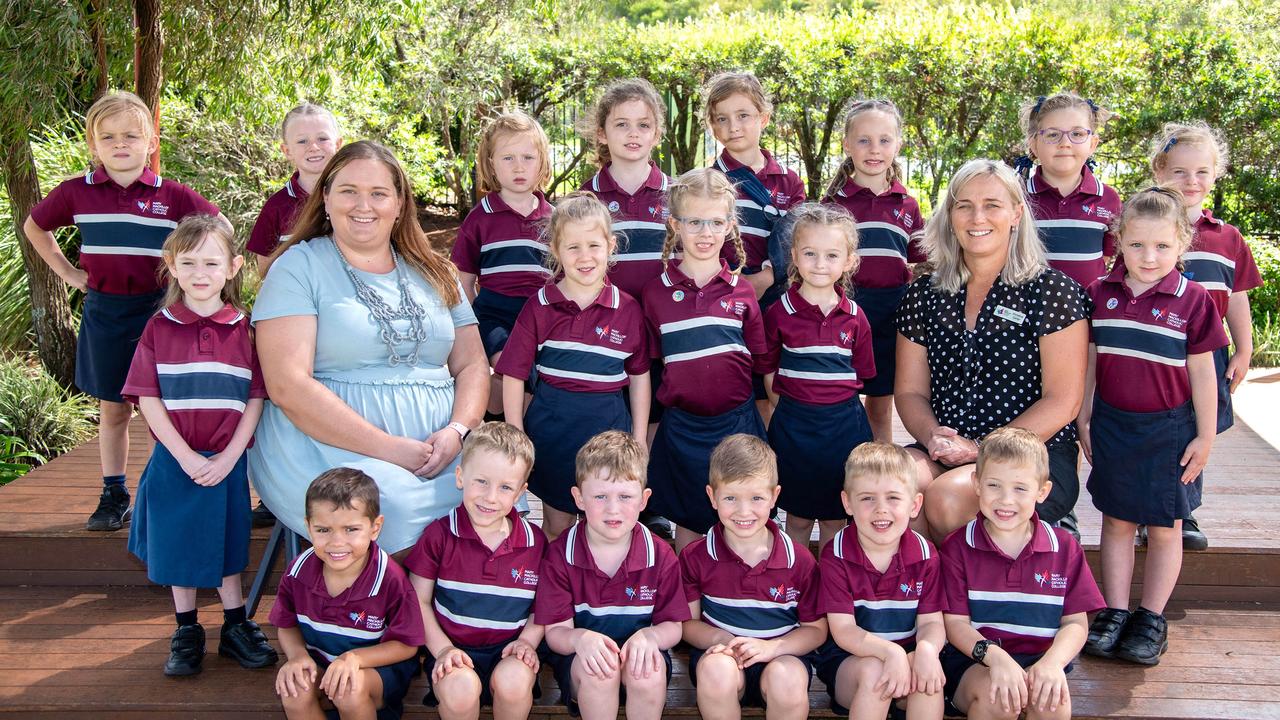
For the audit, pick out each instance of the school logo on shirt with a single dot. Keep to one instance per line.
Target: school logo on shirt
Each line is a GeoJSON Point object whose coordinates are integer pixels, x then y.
{"type": "Point", "coordinates": [613, 206]}
{"type": "Point", "coordinates": [644, 593]}
{"type": "Point", "coordinates": [904, 217]}
{"type": "Point", "coordinates": [909, 587]}
{"type": "Point", "coordinates": [782, 593]}
{"type": "Point", "coordinates": [737, 307]}
{"type": "Point", "coordinates": [1112, 303]}
{"type": "Point", "coordinates": [1173, 320]}
{"type": "Point", "coordinates": [608, 333]}
{"type": "Point", "coordinates": [370, 622]}
{"type": "Point", "coordinates": [1103, 213]}
{"type": "Point", "coordinates": [1052, 579]}
{"type": "Point", "coordinates": [845, 335]}
{"type": "Point", "coordinates": [780, 198]}
{"type": "Point", "coordinates": [520, 576]}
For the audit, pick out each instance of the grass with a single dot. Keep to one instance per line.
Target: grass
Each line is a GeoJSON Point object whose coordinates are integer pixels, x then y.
{"type": "Point", "coordinates": [1266, 341]}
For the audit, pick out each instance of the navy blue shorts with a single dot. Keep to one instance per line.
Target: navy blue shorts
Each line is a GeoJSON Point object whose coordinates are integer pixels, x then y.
{"type": "Point", "coordinates": [827, 660]}
{"type": "Point", "coordinates": [560, 422]}
{"type": "Point", "coordinates": [1226, 415]}
{"type": "Point", "coordinates": [955, 664]}
{"type": "Point", "coordinates": [1136, 466]}
{"type": "Point", "coordinates": [680, 462]}
{"type": "Point", "coordinates": [1064, 471]}
{"type": "Point", "coordinates": [110, 326]}
{"type": "Point", "coordinates": [485, 659]}
{"type": "Point", "coordinates": [751, 694]}
{"type": "Point", "coordinates": [562, 670]}
{"type": "Point", "coordinates": [812, 443]}
{"type": "Point", "coordinates": [881, 306]}
{"type": "Point", "coordinates": [496, 314]}
{"type": "Point", "coordinates": [395, 685]}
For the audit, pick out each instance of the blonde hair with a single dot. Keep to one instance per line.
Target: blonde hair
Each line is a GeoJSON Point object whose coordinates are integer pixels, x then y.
{"type": "Point", "coordinates": [1026, 259]}
{"type": "Point", "coordinates": [727, 84]}
{"type": "Point", "coordinates": [119, 102]}
{"type": "Point", "coordinates": [615, 93]}
{"type": "Point", "coordinates": [741, 456]}
{"type": "Point", "coordinates": [1160, 202]}
{"type": "Point", "coordinates": [407, 236]}
{"type": "Point", "coordinates": [578, 206]}
{"type": "Point", "coordinates": [1196, 134]}
{"type": "Point", "coordinates": [615, 452]}
{"type": "Point", "coordinates": [307, 109]}
{"type": "Point", "coordinates": [503, 439]}
{"type": "Point", "coordinates": [1033, 110]}
{"type": "Point", "coordinates": [510, 124]}
{"type": "Point", "coordinates": [879, 459]}
{"type": "Point", "coordinates": [815, 215]}
{"type": "Point", "coordinates": [709, 184]}
{"type": "Point", "coordinates": [188, 236]}
{"type": "Point", "coordinates": [1015, 445]}
{"type": "Point", "coordinates": [846, 169]}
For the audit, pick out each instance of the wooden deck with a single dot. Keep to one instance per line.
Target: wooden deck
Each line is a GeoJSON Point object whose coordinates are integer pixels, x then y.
{"type": "Point", "coordinates": [82, 633]}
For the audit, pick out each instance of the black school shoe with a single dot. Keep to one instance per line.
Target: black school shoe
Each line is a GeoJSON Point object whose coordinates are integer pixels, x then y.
{"type": "Point", "coordinates": [1145, 638]}
{"type": "Point", "coordinates": [262, 516]}
{"type": "Point", "coordinates": [186, 651]}
{"type": "Point", "coordinates": [113, 509]}
{"type": "Point", "coordinates": [1105, 632]}
{"type": "Point", "coordinates": [245, 643]}
{"type": "Point", "coordinates": [1193, 538]}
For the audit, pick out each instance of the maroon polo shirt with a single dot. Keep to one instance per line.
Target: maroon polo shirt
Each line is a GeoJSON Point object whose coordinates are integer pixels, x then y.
{"type": "Point", "coordinates": [503, 248]}
{"type": "Point", "coordinates": [816, 358]}
{"type": "Point", "coordinates": [885, 604]}
{"type": "Point", "coordinates": [277, 215]}
{"type": "Point", "coordinates": [1075, 229]}
{"type": "Point", "coordinates": [889, 227]}
{"type": "Point", "coordinates": [640, 224]}
{"type": "Point", "coordinates": [754, 221]}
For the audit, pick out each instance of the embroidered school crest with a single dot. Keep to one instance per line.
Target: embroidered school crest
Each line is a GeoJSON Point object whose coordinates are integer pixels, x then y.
{"type": "Point", "coordinates": [613, 206]}
{"type": "Point", "coordinates": [844, 336]}
{"type": "Point", "coordinates": [1112, 303]}
{"type": "Point", "coordinates": [905, 588]}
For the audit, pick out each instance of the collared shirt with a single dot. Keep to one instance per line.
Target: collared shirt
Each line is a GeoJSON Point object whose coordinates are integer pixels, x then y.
{"type": "Point", "coordinates": [277, 215]}
{"type": "Point", "coordinates": [640, 224]}
{"type": "Point", "coordinates": [754, 221]}
{"type": "Point", "coordinates": [1076, 229]}
{"type": "Point", "coordinates": [1221, 261]}
{"type": "Point", "coordinates": [1150, 337]}
{"type": "Point", "coordinates": [204, 369]}
{"type": "Point", "coordinates": [121, 229]}
{"type": "Point", "coordinates": [816, 358]}
{"type": "Point", "coordinates": [482, 597]}
{"type": "Point", "coordinates": [768, 600]}
{"type": "Point", "coordinates": [889, 228]}
{"type": "Point", "coordinates": [982, 379]}
{"type": "Point", "coordinates": [504, 248]}
{"type": "Point", "coordinates": [380, 606]}
{"type": "Point", "coordinates": [591, 349]}
{"type": "Point", "coordinates": [1017, 602]}
{"type": "Point", "coordinates": [645, 591]}
{"type": "Point", "coordinates": [710, 338]}
{"type": "Point", "coordinates": [885, 604]}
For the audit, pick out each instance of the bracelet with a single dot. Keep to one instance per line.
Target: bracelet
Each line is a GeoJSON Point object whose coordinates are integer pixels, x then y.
{"type": "Point", "coordinates": [459, 428]}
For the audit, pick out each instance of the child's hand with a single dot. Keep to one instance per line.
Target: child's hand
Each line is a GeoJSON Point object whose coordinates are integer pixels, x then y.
{"type": "Point", "coordinates": [451, 659]}
{"type": "Point", "coordinates": [343, 677]}
{"type": "Point", "coordinates": [215, 470]}
{"type": "Point", "coordinates": [296, 677]}
{"type": "Point", "coordinates": [192, 463]}
{"type": "Point", "coordinates": [524, 652]}
{"type": "Point", "coordinates": [599, 654]}
{"type": "Point", "coordinates": [749, 651]}
{"type": "Point", "coordinates": [1194, 458]}
{"type": "Point", "coordinates": [1048, 686]}
{"type": "Point", "coordinates": [1008, 683]}
{"type": "Point", "coordinates": [895, 677]}
{"type": "Point", "coordinates": [79, 279]}
{"type": "Point", "coordinates": [641, 655]}
{"type": "Point", "coordinates": [1237, 368]}
{"type": "Point", "coordinates": [926, 673]}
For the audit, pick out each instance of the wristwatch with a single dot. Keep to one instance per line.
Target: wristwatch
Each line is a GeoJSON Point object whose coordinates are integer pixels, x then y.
{"type": "Point", "coordinates": [980, 652]}
{"type": "Point", "coordinates": [462, 430]}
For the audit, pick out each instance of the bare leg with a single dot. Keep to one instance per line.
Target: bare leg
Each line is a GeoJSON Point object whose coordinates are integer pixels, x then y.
{"type": "Point", "coordinates": [1162, 566]}
{"type": "Point", "coordinates": [880, 416]}
{"type": "Point", "coordinates": [1117, 561]}
{"type": "Point", "coordinates": [231, 593]}
{"type": "Point", "coordinates": [512, 687]}
{"type": "Point", "coordinates": [113, 436]}
{"type": "Point", "coordinates": [684, 537]}
{"type": "Point", "coordinates": [184, 598]}
{"type": "Point", "coordinates": [720, 685]}
{"type": "Point", "coordinates": [555, 522]}
{"type": "Point", "coordinates": [950, 502]}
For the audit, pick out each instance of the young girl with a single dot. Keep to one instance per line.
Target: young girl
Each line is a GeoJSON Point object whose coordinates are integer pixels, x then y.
{"type": "Point", "coordinates": [704, 323]}
{"type": "Point", "coordinates": [625, 125]}
{"type": "Point", "coordinates": [499, 253]}
{"type": "Point", "coordinates": [196, 378]}
{"type": "Point", "coordinates": [1149, 440]}
{"type": "Point", "coordinates": [124, 211]}
{"type": "Point", "coordinates": [308, 138]}
{"type": "Point", "coordinates": [819, 353]}
{"type": "Point", "coordinates": [584, 340]}
{"type": "Point", "coordinates": [1072, 208]}
{"type": "Point", "coordinates": [868, 186]}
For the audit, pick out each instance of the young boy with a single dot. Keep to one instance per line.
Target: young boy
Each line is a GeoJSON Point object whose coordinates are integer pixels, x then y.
{"type": "Point", "coordinates": [1017, 591]}
{"type": "Point", "coordinates": [124, 212]}
{"type": "Point", "coordinates": [610, 595]}
{"type": "Point", "coordinates": [751, 592]}
{"type": "Point", "coordinates": [475, 571]}
{"type": "Point", "coordinates": [348, 619]}
{"type": "Point", "coordinates": [882, 593]}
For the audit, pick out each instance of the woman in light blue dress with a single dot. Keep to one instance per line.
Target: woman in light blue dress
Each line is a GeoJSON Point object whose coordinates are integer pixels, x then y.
{"type": "Point", "coordinates": [370, 352]}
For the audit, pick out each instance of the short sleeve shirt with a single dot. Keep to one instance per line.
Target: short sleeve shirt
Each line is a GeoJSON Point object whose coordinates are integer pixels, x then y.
{"type": "Point", "coordinates": [786, 190]}
{"type": "Point", "coordinates": [816, 358]}
{"type": "Point", "coordinates": [1221, 261]}
{"type": "Point", "coordinates": [640, 224]}
{"type": "Point", "coordinates": [503, 248]}
{"type": "Point", "coordinates": [889, 227]}
{"type": "Point", "coordinates": [1076, 229]}
{"type": "Point", "coordinates": [984, 378]}
{"type": "Point", "coordinates": [273, 223]}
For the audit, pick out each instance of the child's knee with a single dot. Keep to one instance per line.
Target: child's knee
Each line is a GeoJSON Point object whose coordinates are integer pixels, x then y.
{"type": "Point", "coordinates": [585, 681]}
{"type": "Point", "coordinates": [654, 684]}
{"type": "Point", "coordinates": [1062, 712]}
{"type": "Point", "coordinates": [512, 681]}
{"type": "Point", "coordinates": [459, 690]}
{"type": "Point", "coordinates": [866, 671]}
{"type": "Point", "coordinates": [114, 413]}
{"type": "Point", "coordinates": [785, 680]}
{"type": "Point", "coordinates": [357, 699]}
{"type": "Point", "coordinates": [303, 704]}
{"type": "Point", "coordinates": [718, 677]}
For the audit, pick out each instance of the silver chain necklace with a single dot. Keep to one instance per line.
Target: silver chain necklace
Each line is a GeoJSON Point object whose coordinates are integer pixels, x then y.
{"type": "Point", "coordinates": [385, 316]}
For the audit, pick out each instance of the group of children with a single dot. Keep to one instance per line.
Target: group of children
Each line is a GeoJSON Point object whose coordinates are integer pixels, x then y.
{"type": "Point", "coordinates": [659, 339]}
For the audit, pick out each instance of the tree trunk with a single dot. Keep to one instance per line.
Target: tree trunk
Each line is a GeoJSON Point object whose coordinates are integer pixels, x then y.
{"type": "Point", "coordinates": [98, 37]}
{"type": "Point", "coordinates": [149, 60]}
{"type": "Point", "coordinates": [50, 313]}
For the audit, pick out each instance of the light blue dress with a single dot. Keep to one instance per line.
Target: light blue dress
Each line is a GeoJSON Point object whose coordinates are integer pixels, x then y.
{"type": "Point", "coordinates": [351, 361]}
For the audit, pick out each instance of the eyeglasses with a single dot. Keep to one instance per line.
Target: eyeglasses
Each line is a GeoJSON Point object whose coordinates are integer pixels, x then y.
{"type": "Point", "coordinates": [697, 226]}
{"type": "Point", "coordinates": [1076, 135]}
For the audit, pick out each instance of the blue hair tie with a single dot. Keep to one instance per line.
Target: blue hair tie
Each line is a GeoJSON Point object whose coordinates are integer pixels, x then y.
{"type": "Point", "coordinates": [1169, 145]}
{"type": "Point", "coordinates": [1092, 106]}
{"type": "Point", "coordinates": [1091, 164]}
{"type": "Point", "coordinates": [1023, 165]}
{"type": "Point", "coordinates": [1039, 101]}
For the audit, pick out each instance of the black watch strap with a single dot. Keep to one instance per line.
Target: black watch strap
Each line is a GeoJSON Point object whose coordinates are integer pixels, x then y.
{"type": "Point", "coordinates": [979, 653]}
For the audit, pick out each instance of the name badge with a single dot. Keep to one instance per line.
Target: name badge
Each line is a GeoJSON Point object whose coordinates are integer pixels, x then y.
{"type": "Point", "coordinates": [1011, 315]}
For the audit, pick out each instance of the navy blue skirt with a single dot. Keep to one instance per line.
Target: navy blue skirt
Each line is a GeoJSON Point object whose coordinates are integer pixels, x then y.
{"type": "Point", "coordinates": [187, 534]}
{"type": "Point", "coordinates": [496, 314]}
{"type": "Point", "coordinates": [812, 442]}
{"type": "Point", "coordinates": [1135, 474]}
{"type": "Point", "coordinates": [110, 326]}
{"type": "Point", "coordinates": [1226, 415]}
{"type": "Point", "coordinates": [560, 422]}
{"type": "Point", "coordinates": [881, 306]}
{"type": "Point", "coordinates": [680, 461]}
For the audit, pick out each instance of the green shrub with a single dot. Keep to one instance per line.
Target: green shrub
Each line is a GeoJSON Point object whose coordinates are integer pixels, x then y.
{"type": "Point", "coordinates": [45, 418]}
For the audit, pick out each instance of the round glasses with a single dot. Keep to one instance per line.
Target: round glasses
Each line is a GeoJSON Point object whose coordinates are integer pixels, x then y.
{"type": "Point", "coordinates": [1076, 135]}
{"type": "Point", "coordinates": [697, 226]}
